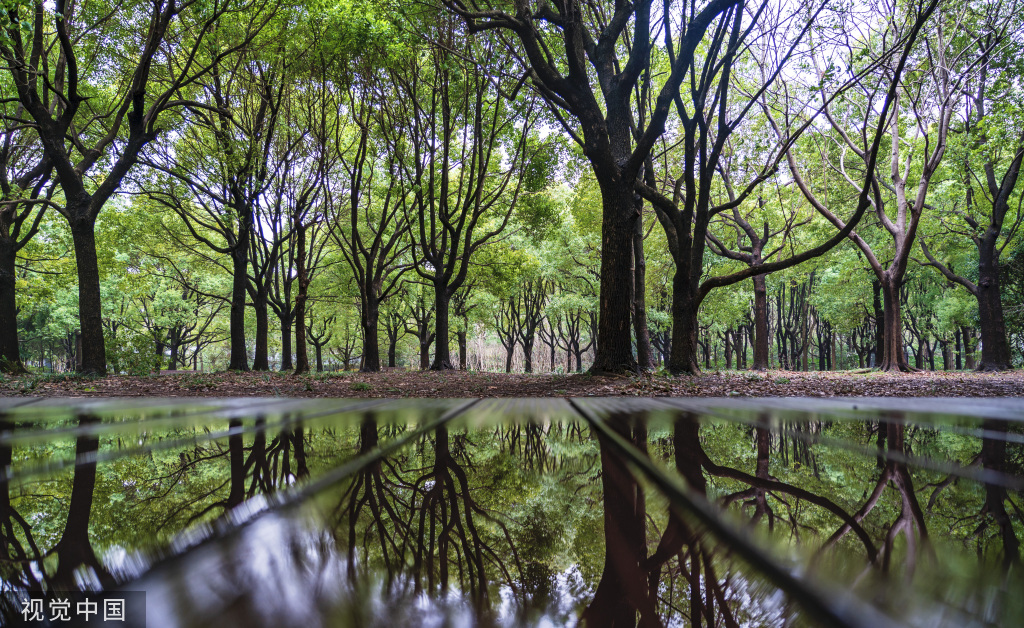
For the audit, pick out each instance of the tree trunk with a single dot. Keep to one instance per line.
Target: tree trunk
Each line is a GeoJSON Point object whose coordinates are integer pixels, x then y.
{"type": "Point", "coordinates": [159, 355]}
{"type": "Point", "coordinates": [301, 346]}
{"type": "Point", "coordinates": [528, 353]}
{"type": "Point", "coordinates": [968, 337]}
{"type": "Point", "coordinates": [622, 591]}
{"type": "Point", "coordinates": [442, 356]}
{"type": "Point", "coordinates": [614, 350]}
{"type": "Point", "coordinates": [261, 358]}
{"type": "Point", "coordinates": [644, 354]}
{"type": "Point", "coordinates": [893, 357]}
{"type": "Point", "coordinates": [424, 350]}
{"type": "Point", "coordinates": [286, 342]}
{"type": "Point", "coordinates": [995, 350]}
{"type": "Point", "coordinates": [392, 349]}
{"type": "Point", "coordinates": [684, 358]}
{"type": "Point", "coordinates": [90, 307]}
{"type": "Point", "coordinates": [174, 339]}
{"type": "Point", "coordinates": [239, 360]}
{"type": "Point", "coordinates": [876, 288]}
{"type": "Point", "coordinates": [833, 357]}
{"type": "Point", "coordinates": [302, 278]}
{"type": "Point", "coordinates": [10, 349]}
{"type": "Point", "coordinates": [319, 359]}
{"type": "Point", "coordinates": [371, 341]}
{"type": "Point", "coordinates": [959, 351]}
{"type": "Point", "coordinates": [462, 349]}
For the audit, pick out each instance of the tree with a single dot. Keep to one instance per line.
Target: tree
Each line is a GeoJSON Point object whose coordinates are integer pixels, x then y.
{"type": "Point", "coordinates": [300, 183]}
{"type": "Point", "coordinates": [463, 153]}
{"type": "Point", "coordinates": [751, 250]}
{"type": "Point", "coordinates": [25, 191]}
{"type": "Point", "coordinates": [924, 104]}
{"type": "Point", "coordinates": [709, 113]}
{"type": "Point", "coordinates": [372, 231]}
{"type": "Point", "coordinates": [591, 63]}
{"type": "Point", "coordinates": [987, 146]}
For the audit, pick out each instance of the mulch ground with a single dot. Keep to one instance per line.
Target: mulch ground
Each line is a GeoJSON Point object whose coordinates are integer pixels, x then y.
{"type": "Point", "coordinates": [462, 384]}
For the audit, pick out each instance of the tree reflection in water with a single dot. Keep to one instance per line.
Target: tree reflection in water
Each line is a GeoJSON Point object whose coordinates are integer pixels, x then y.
{"type": "Point", "coordinates": [290, 522]}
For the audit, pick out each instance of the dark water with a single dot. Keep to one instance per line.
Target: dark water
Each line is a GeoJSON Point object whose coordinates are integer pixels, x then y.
{"type": "Point", "coordinates": [600, 512]}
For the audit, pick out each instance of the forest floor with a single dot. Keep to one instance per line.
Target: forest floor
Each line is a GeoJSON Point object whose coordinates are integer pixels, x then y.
{"type": "Point", "coordinates": [463, 384]}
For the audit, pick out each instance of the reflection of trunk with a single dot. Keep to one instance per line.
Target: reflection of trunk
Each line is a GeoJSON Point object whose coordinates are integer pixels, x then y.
{"type": "Point", "coordinates": [764, 443]}
{"type": "Point", "coordinates": [74, 548]}
{"type": "Point", "coordinates": [444, 532]}
{"type": "Point", "coordinates": [993, 458]}
{"type": "Point", "coordinates": [910, 511]}
{"type": "Point", "coordinates": [910, 515]}
{"type": "Point", "coordinates": [236, 456]}
{"type": "Point", "coordinates": [262, 478]}
{"type": "Point", "coordinates": [11, 547]}
{"type": "Point", "coordinates": [367, 490]}
{"type": "Point", "coordinates": [299, 444]}
{"type": "Point", "coordinates": [622, 590]}
{"type": "Point", "coordinates": [688, 456]}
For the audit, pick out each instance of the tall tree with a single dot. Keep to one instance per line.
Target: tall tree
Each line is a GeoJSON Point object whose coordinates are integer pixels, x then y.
{"type": "Point", "coordinates": [926, 99]}
{"type": "Point", "coordinates": [989, 143]}
{"type": "Point", "coordinates": [301, 182]}
{"type": "Point", "coordinates": [25, 192]}
{"type": "Point", "coordinates": [687, 192]}
{"type": "Point", "coordinates": [592, 62]}
{"type": "Point", "coordinates": [372, 228]}
{"type": "Point", "coordinates": [464, 157]}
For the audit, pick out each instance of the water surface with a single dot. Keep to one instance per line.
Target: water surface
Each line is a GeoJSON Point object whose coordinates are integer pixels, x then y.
{"type": "Point", "coordinates": [510, 512]}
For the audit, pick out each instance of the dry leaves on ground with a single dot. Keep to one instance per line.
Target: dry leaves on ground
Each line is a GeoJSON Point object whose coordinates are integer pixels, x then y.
{"type": "Point", "coordinates": [463, 384]}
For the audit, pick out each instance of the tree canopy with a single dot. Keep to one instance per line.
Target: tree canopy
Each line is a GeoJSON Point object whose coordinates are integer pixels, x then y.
{"type": "Point", "coordinates": [541, 186]}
